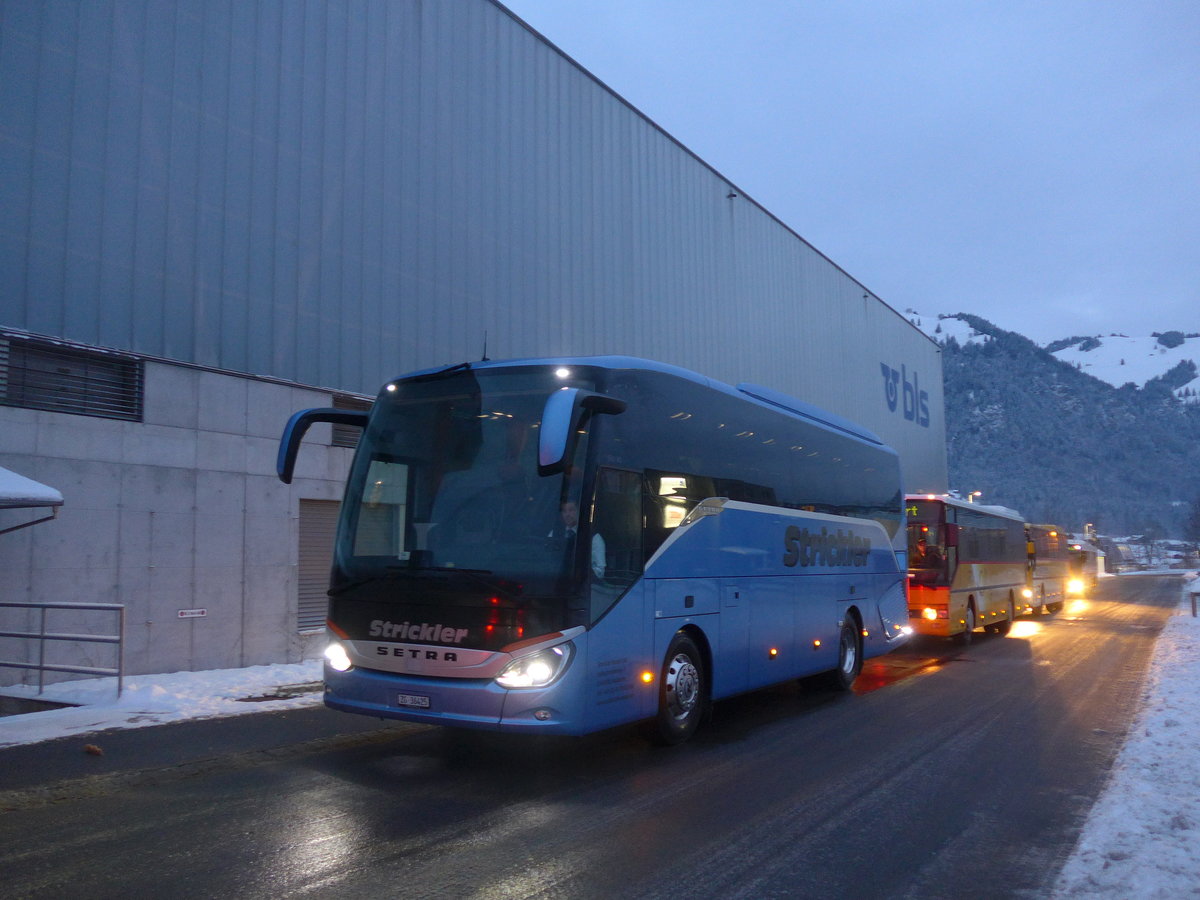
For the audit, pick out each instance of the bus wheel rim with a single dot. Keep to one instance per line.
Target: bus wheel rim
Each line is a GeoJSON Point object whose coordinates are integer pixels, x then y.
{"type": "Point", "coordinates": [683, 686]}
{"type": "Point", "coordinates": [849, 654]}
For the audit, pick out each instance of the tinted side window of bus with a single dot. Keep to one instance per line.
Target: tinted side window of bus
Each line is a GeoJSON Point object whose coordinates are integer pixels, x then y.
{"type": "Point", "coordinates": [739, 449]}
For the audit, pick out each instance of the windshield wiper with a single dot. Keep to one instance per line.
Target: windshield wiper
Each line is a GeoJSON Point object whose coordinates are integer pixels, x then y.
{"type": "Point", "coordinates": [450, 569]}
{"type": "Point", "coordinates": [390, 573]}
{"type": "Point", "coordinates": [394, 572]}
{"type": "Point", "coordinates": [446, 572]}
{"type": "Point", "coordinates": [350, 585]}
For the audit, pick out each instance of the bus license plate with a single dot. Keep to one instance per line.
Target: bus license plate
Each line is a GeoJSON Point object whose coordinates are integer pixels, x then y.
{"type": "Point", "coordinates": [415, 700]}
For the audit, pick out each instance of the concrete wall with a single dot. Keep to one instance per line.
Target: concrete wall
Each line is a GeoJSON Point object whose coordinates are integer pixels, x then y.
{"type": "Point", "coordinates": [183, 511]}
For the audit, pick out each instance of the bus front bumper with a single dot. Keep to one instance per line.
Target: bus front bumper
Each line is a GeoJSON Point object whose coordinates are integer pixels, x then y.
{"type": "Point", "coordinates": [938, 625]}
{"type": "Point", "coordinates": [452, 702]}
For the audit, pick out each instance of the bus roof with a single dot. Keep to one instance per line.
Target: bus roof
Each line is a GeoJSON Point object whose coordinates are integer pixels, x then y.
{"type": "Point", "coordinates": [1003, 512]}
{"type": "Point", "coordinates": [760, 396]}
{"type": "Point", "coordinates": [1048, 527]}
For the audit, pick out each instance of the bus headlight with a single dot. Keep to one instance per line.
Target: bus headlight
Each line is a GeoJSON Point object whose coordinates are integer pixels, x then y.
{"type": "Point", "coordinates": [336, 656]}
{"type": "Point", "coordinates": [538, 669]}
{"type": "Point", "coordinates": [1075, 586]}
{"type": "Point", "coordinates": [1027, 593]}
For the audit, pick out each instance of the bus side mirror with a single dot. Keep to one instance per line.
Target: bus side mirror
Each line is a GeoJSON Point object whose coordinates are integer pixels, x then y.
{"type": "Point", "coordinates": [297, 427]}
{"type": "Point", "coordinates": [561, 418]}
{"type": "Point", "coordinates": [951, 535]}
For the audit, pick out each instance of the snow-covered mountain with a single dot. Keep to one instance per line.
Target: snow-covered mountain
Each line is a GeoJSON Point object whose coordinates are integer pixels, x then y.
{"type": "Point", "coordinates": [1120, 359]}
{"type": "Point", "coordinates": [1117, 359]}
{"type": "Point", "coordinates": [1036, 429]}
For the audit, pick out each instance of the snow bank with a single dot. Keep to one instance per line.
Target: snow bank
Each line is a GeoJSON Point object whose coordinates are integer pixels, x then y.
{"type": "Point", "coordinates": [156, 699]}
{"type": "Point", "coordinates": [1142, 838]}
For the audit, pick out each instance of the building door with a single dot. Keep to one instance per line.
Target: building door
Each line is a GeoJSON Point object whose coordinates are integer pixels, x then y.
{"type": "Point", "coordinates": [318, 522]}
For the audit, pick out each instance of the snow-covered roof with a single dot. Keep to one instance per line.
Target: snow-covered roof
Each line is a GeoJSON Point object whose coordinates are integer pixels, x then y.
{"type": "Point", "coordinates": [17, 491]}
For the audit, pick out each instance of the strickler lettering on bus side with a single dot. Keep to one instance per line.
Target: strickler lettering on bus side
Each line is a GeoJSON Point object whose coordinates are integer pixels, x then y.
{"type": "Point", "coordinates": [805, 548]}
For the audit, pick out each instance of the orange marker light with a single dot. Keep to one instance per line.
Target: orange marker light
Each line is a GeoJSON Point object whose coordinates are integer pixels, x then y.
{"type": "Point", "coordinates": [647, 677]}
{"type": "Point", "coordinates": [773, 652]}
{"type": "Point", "coordinates": [816, 643]}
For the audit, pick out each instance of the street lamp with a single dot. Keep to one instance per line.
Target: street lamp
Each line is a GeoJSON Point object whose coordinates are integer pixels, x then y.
{"type": "Point", "coordinates": [971, 496]}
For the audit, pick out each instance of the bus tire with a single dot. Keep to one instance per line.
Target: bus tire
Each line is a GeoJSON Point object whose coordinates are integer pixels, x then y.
{"type": "Point", "coordinates": [964, 637]}
{"type": "Point", "coordinates": [682, 692]}
{"type": "Point", "coordinates": [849, 658]}
{"type": "Point", "coordinates": [1003, 628]}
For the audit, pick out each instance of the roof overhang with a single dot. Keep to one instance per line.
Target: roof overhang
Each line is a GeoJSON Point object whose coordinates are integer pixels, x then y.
{"type": "Point", "coordinates": [19, 492]}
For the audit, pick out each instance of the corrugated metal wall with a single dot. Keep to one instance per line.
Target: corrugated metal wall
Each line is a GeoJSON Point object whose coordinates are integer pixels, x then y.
{"type": "Point", "coordinates": [334, 193]}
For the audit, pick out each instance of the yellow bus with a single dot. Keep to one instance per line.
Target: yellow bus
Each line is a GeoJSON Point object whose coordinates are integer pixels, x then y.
{"type": "Point", "coordinates": [1050, 581]}
{"type": "Point", "coordinates": [967, 566]}
{"type": "Point", "coordinates": [1087, 562]}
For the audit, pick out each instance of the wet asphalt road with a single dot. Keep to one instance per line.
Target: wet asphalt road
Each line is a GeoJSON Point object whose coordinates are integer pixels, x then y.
{"type": "Point", "coordinates": [949, 773]}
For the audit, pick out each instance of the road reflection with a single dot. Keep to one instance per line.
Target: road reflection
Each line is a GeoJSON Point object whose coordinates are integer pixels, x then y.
{"type": "Point", "coordinates": [925, 655]}
{"type": "Point", "coordinates": [1025, 629]}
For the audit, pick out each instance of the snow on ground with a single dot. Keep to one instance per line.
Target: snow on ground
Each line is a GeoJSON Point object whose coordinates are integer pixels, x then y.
{"type": "Point", "coordinates": [1141, 840]}
{"type": "Point", "coordinates": [156, 699]}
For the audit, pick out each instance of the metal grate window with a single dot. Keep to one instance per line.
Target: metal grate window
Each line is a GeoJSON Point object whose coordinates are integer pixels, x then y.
{"type": "Point", "coordinates": [348, 435]}
{"type": "Point", "coordinates": [60, 378]}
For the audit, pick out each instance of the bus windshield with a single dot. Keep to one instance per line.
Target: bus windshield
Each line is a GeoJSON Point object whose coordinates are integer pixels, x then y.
{"type": "Point", "coordinates": [445, 506]}
{"type": "Point", "coordinates": [926, 529]}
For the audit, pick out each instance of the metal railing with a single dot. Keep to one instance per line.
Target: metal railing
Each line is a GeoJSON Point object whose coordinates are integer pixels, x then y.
{"type": "Point", "coordinates": [42, 635]}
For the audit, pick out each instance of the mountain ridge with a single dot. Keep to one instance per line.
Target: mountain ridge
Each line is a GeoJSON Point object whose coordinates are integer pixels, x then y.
{"type": "Point", "coordinates": [1115, 358]}
{"type": "Point", "coordinates": [1037, 430]}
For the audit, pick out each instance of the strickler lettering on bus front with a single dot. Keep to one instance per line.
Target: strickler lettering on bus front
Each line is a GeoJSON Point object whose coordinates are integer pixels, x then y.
{"type": "Point", "coordinates": [805, 548]}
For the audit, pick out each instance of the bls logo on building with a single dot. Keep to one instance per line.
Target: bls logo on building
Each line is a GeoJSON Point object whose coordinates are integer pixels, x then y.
{"type": "Point", "coordinates": [916, 401]}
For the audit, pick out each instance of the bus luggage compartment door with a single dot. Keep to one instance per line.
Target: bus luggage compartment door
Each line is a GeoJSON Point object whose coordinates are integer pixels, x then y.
{"type": "Point", "coordinates": [675, 597]}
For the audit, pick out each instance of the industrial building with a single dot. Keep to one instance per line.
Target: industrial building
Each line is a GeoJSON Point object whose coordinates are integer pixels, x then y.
{"type": "Point", "coordinates": [214, 214]}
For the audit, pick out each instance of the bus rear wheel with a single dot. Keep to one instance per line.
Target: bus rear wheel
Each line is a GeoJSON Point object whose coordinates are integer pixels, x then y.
{"type": "Point", "coordinates": [682, 693]}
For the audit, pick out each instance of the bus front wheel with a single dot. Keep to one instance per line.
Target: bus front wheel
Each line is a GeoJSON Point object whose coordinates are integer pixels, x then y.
{"type": "Point", "coordinates": [682, 692]}
{"type": "Point", "coordinates": [1003, 628]}
{"type": "Point", "coordinates": [849, 658]}
{"type": "Point", "coordinates": [964, 637]}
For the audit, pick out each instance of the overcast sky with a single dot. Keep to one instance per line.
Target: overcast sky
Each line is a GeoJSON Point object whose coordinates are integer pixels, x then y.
{"type": "Point", "coordinates": [1035, 163]}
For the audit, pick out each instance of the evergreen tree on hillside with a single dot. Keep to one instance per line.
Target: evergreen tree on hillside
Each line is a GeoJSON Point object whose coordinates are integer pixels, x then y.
{"type": "Point", "coordinates": [1039, 435]}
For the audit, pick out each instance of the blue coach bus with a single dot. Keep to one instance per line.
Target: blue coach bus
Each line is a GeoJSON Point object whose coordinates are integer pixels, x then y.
{"type": "Point", "coordinates": [565, 545]}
